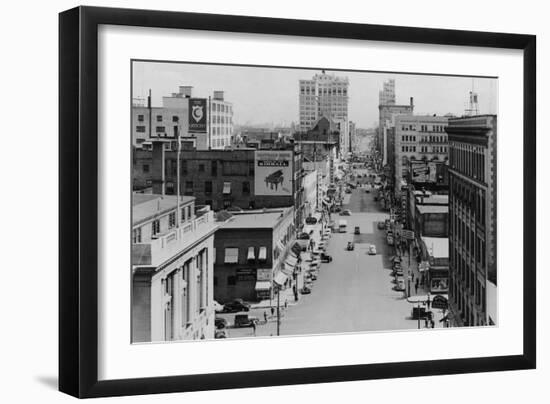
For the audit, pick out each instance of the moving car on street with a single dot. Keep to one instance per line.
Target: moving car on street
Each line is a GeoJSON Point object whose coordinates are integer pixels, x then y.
{"type": "Point", "coordinates": [345, 212]}
{"type": "Point", "coordinates": [236, 306]}
{"type": "Point", "coordinates": [357, 230]}
{"type": "Point", "coordinates": [305, 290]}
{"type": "Point", "coordinates": [372, 249]}
{"type": "Point", "coordinates": [381, 226]}
{"type": "Point", "coordinates": [350, 246]}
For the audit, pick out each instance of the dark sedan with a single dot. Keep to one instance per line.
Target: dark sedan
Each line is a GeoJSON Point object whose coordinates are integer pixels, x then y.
{"type": "Point", "coordinates": [236, 306]}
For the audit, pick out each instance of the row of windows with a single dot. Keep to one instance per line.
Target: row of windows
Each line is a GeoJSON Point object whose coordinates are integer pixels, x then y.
{"type": "Point", "coordinates": [159, 118]}
{"type": "Point", "coordinates": [433, 149]}
{"type": "Point", "coordinates": [178, 306]}
{"type": "Point", "coordinates": [208, 188]}
{"type": "Point", "coordinates": [433, 139]}
{"type": "Point", "coordinates": [407, 138]}
{"type": "Point", "coordinates": [468, 162]}
{"type": "Point", "coordinates": [462, 301]}
{"type": "Point", "coordinates": [221, 108]}
{"type": "Point", "coordinates": [156, 227]}
{"type": "Point", "coordinates": [217, 119]}
{"type": "Point", "coordinates": [432, 128]}
{"type": "Point", "coordinates": [408, 149]}
{"type": "Point", "coordinates": [468, 200]}
{"type": "Point", "coordinates": [324, 91]}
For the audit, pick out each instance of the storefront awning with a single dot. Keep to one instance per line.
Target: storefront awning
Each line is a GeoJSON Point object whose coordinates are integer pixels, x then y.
{"type": "Point", "coordinates": [263, 253]}
{"type": "Point", "coordinates": [226, 188]}
{"type": "Point", "coordinates": [263, 285]}
{"type": "Point", "coordinates": [280, 278]}
{"type": "Point", "coordinates": [231, 255]}
{"type": "Point", "coordinates": [251, 255]}
{"type": "Point", "coordinates": [291, 260]}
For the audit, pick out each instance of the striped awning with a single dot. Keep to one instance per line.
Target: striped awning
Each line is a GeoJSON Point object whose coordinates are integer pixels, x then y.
{"type": "Point", "coordinates": [280, 278]}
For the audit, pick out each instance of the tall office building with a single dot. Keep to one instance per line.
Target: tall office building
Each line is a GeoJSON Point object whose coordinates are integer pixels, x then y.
{"type": "Point", "coordinates": [325, 95]}
{"type": "Point", "coordinates": [386, 96]}
{"type": "Point", "coordinates": [472, 219]}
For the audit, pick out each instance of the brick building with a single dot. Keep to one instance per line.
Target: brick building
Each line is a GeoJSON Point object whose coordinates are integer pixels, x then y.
{"type": "Point", "coordinates": [218, 178]}
{"type": "Point", "coordinates": [251, 248]}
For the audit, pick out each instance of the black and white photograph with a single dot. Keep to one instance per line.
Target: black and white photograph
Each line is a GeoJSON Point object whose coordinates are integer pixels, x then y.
{"type": "Point", "coordinates": [276, 201]}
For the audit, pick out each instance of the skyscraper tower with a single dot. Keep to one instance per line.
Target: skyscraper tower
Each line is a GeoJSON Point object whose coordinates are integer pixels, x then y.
{"type": "Point", "coordinates": [323, 95]}
{"type": "Point", "coordinates": [386, 96]}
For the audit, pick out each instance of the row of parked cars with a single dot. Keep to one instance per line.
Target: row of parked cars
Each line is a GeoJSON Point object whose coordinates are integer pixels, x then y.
{"type": "Point", "coordinates": [313, 263]}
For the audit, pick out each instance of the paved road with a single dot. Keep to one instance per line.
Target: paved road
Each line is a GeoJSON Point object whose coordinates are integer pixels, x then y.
{"type": "Point", "coordinates": [355, 291]}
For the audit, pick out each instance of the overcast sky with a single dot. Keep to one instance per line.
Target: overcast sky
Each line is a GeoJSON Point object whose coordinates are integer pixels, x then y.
{"type": "Point", "coordinates": [263, 95]}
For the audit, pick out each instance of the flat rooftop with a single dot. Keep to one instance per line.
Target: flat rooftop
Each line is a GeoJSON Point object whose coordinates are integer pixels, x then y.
{"type": "Point", "coordinates": [438, 247]}
{"type": "Point", "coordinates": [434, 199]}
{"type": "Point", "coordinates": [146, 206]}
{"type": "Point", "coordinates": [432, 208]}
{"type": "Point", "coordinates": [257, 219]}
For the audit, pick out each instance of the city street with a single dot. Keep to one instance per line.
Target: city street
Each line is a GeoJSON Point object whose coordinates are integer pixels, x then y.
{"type": "Point", "coordinates": [352, 293]}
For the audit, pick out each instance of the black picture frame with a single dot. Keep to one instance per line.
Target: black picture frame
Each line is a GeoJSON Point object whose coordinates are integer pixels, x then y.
{"type": "Point", "coordinates": [78, 200]}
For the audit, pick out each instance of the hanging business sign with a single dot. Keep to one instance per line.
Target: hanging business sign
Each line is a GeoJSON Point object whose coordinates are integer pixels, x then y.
{"type": "Point", "coordinates": [198, 114]}
{"type": "Point", "coordinates": [273, 173]}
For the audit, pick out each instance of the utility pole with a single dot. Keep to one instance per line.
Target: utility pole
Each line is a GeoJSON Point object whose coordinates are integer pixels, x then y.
{"type": "Point", "coordinates": [279, 311]}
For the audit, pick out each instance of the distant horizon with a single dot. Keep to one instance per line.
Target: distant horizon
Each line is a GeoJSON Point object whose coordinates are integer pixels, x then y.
{"type": "Point", "coordinates": [269, 96]}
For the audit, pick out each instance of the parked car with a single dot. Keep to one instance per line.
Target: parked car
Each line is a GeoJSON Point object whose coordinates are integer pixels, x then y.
{"type": "Point", "coordinates": [420, 312]}
{"type": "Point", "coordinates": [381, 226]}
{"type": "Point", "coordinates": [348, 191]}
{"type": "Point", "coordinates": [244, 320]}
{"type": "Point", "coordinates": [305, 291]}
{"type": "Point", "coordinates": [399, 283]}
{"type": "Point", "coordinates": [346, 212]}
{"type": "Point", "coordinates": [326, 258]}
{"type": "Point", "coordinates": [311, 220]}
{"type": "Point", "coordinates": [350, 246]}
{"type": "Point", "coordinates": [389, 239]}
{"type": "Point", "coordinates": [357, 230]}
{"type": "Point", "coordinates": [372, 249]}
{"type": "Point", "coordinates": [303, 236]}
{"type": "Point", "coordinates": [367, 190]}
{"type": "Point", "coordinates": [220, 323]}
{"type": "Point", "coordinates": [236, 306]}
{"type": "Point", "coordinates": [220, 334]}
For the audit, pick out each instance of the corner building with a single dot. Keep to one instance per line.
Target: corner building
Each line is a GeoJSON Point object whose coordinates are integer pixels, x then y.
{"type": "Point", "coordinates": [472, 219]}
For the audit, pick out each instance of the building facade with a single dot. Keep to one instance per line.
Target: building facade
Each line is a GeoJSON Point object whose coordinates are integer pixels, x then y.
{"type": "Point", "coordinates": [172, 269]}
{"type": "Point", "coordinates": [221, 179]}
{"type": "Point", "coordinates": [418, 138]}
{"type": "Point", "coordinates": [325, 95]}
{"type": "Point", "coordinates": [472, 207]}
{"type": "Point", "coordinates": [386, 96]}
{"type": "Point", "coordinates": [172, 118]}
{"type": "Point", "coordinates": [251, 247]}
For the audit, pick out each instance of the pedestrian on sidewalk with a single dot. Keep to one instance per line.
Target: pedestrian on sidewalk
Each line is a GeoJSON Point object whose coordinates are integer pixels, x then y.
{"type": "Point", "coordinates": [425, 322]}
{"type": "Point", "coordinates": [432, 323]}
{"type": "Point", "coordinates": [416, 288]}
{"type": "Point", "coordinates": [265, 316]}
{"type": "Point", "coordinates": [254, 327]}
{"type": "Point", "coordinates": [286, 303]}
{"type": "Point", "coordinates": [272, 310]}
